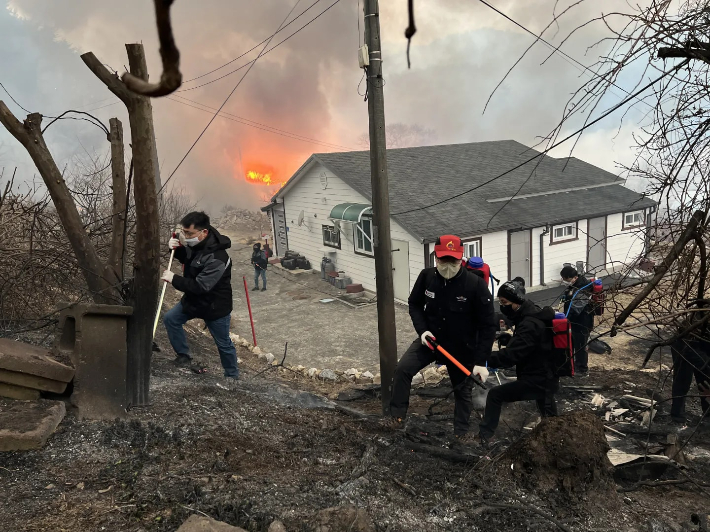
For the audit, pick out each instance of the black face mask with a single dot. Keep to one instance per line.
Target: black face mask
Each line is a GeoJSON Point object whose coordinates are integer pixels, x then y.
{"type": "Point", "coordinates": [507, 310]}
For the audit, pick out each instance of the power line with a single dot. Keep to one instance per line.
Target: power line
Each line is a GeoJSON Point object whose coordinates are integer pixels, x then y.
{"type": "Point", "coordinates": [540, 154]}
{"type": "Point", "coordinates": [556, 49]}
{"type": "Point", "coordinates": [258, 125]}
{"type": "Point", "coordinates": [255, 46]}
{"type": "Point", "coordinates": [264, 53]}
{"type": "Point", "coordinates": [226, 100]}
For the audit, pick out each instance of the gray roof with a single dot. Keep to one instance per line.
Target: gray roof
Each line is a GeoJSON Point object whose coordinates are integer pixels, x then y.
{"type": "Point", "coordinates": [424, 175]}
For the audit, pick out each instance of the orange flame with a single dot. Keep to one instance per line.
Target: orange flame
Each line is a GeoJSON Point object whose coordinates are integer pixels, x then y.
{"type": "Point", "coordinates": [259, 178]}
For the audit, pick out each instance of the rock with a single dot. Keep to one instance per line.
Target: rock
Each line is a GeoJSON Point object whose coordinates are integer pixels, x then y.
{"type": "Point", "coordinates": [367, 375]}
{"type": "Point", "coordinates": [32, 381]}
{"type": "Point", "coordinates": [261, 356]}
{"type": "Point", "coordinates": [269, 358]}
{"type": "Point", "coordinates": [300, 369]}
{"type": "Point", "coordinates": [353, 372]}
{"type": "Point", "coordinates": [277, 526]}
{"type": "Point", "coordinates": [432, 376]}
{"type": "Point", "coordinates": [312, 373]}
{"type": "Point", "coordinates": [342, 518]}
{"type": "Point", "coordinates": [377, 379]}
{"type": "Point", "coordinates": [28, 425]}
{"type": "Point", "coordinates": [442, 370]}
{"type": "Point", "coordinates": [234, 338]}
{"type": "Point", "coordinates": [328, 375]}
{"type": "Point", "coordinates": [18, 392]}
{"type": "Point", "coordinates": [200, 523]}
{"type": "Point", "coordinates": [418, 379]}
{"type": "Point", "coordinates": [256, 350]}
{"type": "Point", "coordinates": [25, 358]}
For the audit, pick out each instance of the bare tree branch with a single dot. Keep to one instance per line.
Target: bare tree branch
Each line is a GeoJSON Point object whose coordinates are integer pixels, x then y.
{"type": "Point", "coordinates": [171, 78]}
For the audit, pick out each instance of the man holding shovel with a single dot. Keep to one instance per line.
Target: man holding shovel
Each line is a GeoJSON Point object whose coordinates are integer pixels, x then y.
{"type": "Point", "coordinates": [259, 260]}
{"type": "Point", "coordinates": [206, 283]}
{"type": "Point", "coordinates": [453, 307]}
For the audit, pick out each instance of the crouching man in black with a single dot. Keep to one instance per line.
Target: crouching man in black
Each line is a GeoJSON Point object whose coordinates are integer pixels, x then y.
{"type": "Point", "coordinates": [525, 350]}
{"type": "Point", "coordinates": [451, 305]}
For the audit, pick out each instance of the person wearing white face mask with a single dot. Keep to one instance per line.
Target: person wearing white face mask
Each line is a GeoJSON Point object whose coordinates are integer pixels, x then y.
{"type": "Point", "coordinates": [451, 305]}
{"type": "Point", "coordinates": [207, 286]}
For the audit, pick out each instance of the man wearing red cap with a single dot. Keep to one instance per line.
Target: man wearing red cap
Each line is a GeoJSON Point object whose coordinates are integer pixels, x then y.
{"type": "Point", "coordinates": [451, 305]}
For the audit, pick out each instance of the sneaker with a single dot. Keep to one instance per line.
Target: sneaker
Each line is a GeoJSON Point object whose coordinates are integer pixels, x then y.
{"type": "Point", "coordinates": [393, 423]}
{"type": "Point", "coordinates": [465, 439]}
{"type": "Point", "coordinates": [182, 360]}
{"type": "Point", "coordinates": [582, 375]}
{"type": "Point", "coordinates": [263, 289]}
{"type": "Point", "coordinates": [255, 289]}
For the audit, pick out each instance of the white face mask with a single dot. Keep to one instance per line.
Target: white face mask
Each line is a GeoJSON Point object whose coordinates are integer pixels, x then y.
{"type": "Point", "coordinates": [448, 270]}
{"type": "Point", "coordinates": [192, 241]}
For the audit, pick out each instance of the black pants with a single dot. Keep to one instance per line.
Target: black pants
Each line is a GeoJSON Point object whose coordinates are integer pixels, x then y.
{"type": "Point", "coordinates": [414, 360]}
{"type": "Point", "coordinates": [688, 360]}
{"type": "Point", "coordinates": [542, 393]}
{"type": "Point", "coordinates": [580, 337]}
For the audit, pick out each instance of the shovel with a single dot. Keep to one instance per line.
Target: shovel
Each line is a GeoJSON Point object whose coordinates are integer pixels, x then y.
{"type": "Point", "coordinates": [458, 364]}
{"type": "Point", "coordinates": [162, 296]}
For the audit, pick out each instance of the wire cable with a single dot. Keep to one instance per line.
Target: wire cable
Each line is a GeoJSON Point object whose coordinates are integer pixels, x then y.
{"type": "Point", "coordinates": [263, 53]}
{"type": "Point", "coordinates": [226, 100]}
{"type": "Point", "coordinates": [544, 152]}
{"type": "Point", "coordinates": [254, 47]}
{"type": "Point", "coordinates": [258, 125]}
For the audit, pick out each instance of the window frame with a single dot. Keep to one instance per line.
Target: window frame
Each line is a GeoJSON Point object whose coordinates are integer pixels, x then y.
{"type": "Point", "coordinates": [332, 229]}
{"type": "Point", "coordinates": [567, 238]}
{"type": "Point", "coordinates": [362, 251]}
{"type": "Point", "coordinates": [628, 227]}
{"type": "Point", "coordinates": [477, 240]}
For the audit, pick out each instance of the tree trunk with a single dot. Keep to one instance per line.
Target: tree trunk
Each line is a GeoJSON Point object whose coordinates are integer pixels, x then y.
{"type": "Point", "coordinates": [118, 174]}
{"type": "Point", "coordinates": [146, 263]}
{"type": "Point", "coordinates": [146, 266]}
{"type": "Point", "coordinates": [29, 134]}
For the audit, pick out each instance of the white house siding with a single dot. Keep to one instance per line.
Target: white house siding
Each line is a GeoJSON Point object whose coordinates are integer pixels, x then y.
{"type": "Point", "coordinates": [308, 195]}
{"type": "Point", "coordinates": [624, 247]}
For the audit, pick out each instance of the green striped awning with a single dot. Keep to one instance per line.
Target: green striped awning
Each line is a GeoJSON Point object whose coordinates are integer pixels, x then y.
{"type": "Point", "coordinates": [350, 212]}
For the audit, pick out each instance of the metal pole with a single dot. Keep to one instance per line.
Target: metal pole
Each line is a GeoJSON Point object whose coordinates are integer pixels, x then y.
{"type": "Point", "coordinates": [162, 295]}
{"type": "Point", "coordinates": [382, 242]}
{"type": "Point", "coordinates": [251, 319]}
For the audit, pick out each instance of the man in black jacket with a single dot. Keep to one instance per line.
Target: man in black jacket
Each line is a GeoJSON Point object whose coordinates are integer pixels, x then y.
{"type": "Point", "coordinates": [453, 306]}
{"type": "Point", "coordinates": [580, 313]}
{"type": "Point", "coordinates": [260, 262]}
{"type": "Point", "coordinates": [525, 350]}
{"type": "Point", "coordinates": [206, 283]}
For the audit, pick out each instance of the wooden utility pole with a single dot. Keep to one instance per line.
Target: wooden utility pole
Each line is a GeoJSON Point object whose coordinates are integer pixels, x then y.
{"type": "Point", "coordinates": [382, 242]}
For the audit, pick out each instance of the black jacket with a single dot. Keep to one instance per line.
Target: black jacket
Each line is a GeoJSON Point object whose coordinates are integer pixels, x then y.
{"type": "Point", "coordinates": [258, 259]}
{"type": "Point", "coordinates": [582, 313]}
{"type": "Point", "coordinates": [207, 277]}
{"type": "Point", "coordinates": [458, 312]}
{"type": "Point", "coordinates": [525, 350]}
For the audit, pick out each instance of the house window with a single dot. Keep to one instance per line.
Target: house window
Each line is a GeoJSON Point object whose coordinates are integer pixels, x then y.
{"type": "Point", "coordinates": [633, 219]}
{"type": "Point", "coordinates": [331, 236]}
{"type": "Point", "coordinates": [563, 233]}
{"type": "Point", "coordinates": [472, 249]}
{"type": "Point", "coordinates": [363, 237]}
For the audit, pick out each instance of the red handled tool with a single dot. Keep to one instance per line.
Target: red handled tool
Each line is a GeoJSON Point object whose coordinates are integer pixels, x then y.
{"type": "Point", "coordinates": [458, 364]}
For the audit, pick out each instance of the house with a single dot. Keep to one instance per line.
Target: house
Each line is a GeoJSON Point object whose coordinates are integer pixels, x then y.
{"type": "Point", "coordinates": [527, 223]}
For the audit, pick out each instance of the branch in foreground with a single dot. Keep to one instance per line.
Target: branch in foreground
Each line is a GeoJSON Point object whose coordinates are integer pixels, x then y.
{"type": "Point", "coordinates": [171, 78]}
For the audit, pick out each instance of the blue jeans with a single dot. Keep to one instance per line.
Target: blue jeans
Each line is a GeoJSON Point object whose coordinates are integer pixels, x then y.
{"type": "Point", "coordinates": [175, 318]}
{"type": "Point", "coordinates": [258, 272]}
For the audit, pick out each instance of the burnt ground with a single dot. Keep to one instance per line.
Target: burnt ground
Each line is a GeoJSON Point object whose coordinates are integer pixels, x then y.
{"type": "Point", "coordinates": [273, 448]}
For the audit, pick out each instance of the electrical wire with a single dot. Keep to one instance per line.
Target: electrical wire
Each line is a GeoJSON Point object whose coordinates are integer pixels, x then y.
{"type": "Point", "coordinates": [227, 99]}
{"type": "Point", "coordinates": [258, 125]}
{"type": "Point", "coordinates": [557, 50]}
{"type": "Point", "coordinates": [544, 152]}
{"type": "Point", "coordinates": [255, 46]}
{"type": "Point", "coordinates": [264, 53]}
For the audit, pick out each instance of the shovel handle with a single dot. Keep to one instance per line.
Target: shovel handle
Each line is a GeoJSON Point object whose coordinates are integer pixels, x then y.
{"type": "Point", "coordinates": [455, 362]}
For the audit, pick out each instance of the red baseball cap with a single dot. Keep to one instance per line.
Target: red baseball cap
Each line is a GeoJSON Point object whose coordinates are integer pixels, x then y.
{"type": "Point", "coordinates": [448, 246]}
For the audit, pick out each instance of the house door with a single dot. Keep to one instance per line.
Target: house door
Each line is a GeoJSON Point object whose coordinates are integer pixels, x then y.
{"type": "Point", "coordinates": [596, 244]}
{"type": "Point", "coordinates": [400, 269]}
{"type": "Point", "coordinates": [280, 231]}
{"type": "Point", "coordinates": [519, 255]}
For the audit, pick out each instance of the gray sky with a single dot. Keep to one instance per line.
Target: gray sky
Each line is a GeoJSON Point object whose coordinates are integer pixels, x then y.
{"type": "Point", "coordinates": [308, 85]}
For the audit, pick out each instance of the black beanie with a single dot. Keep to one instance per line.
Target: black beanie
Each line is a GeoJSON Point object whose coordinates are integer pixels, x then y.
{"type": "Point", "coordinates": [257, 245]}
{"type": "Point", "coordinates": [569, 272]}
{"type": "Point", "coordinates": [513, 291]}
